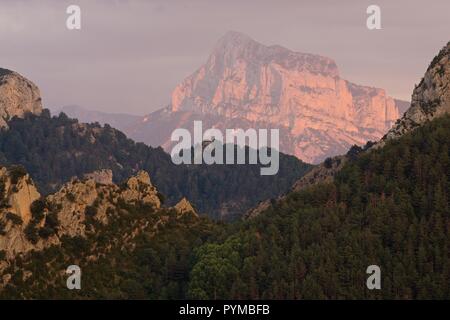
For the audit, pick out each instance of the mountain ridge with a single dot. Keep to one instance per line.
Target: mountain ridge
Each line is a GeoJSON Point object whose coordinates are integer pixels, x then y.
{"type": "Point", "coordinates": [246, 84]}
{"type": "Point", "coordinates": [55, 149]}
{"type": "Point", "coordinates": [120, 121]}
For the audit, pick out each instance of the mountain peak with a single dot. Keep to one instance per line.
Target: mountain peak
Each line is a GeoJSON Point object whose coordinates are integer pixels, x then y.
{"type": "Point", "coordinates": [247, 84]}
{"type": "Point", "coordinates": [236, 47]}
{"type": "Point", "coordinates": [18, 96]}
{"type": "Point", "coordinates": [236, 38]}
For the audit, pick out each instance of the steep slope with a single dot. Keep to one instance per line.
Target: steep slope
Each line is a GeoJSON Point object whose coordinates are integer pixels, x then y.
{"type": "Point", "coordinates": [430, 99]}
{"type": "Point", "coordinates": [388, 207]}
{"type": "Point", "coordinates": [246, 84]}
{"type": "Point", "coordinates": [18, 96]}
{"type": "Point", "coordinates": [55, 149]}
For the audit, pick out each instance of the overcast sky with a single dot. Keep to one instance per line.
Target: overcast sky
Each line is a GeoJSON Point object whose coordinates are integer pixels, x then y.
{"type": "Point", "coordinates": [129, 55]}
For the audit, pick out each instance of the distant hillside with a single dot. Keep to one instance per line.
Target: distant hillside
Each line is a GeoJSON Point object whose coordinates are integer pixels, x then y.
{"type": "Point", "coordinates": [54, 149]}
{"type": "Point", "coordinates": [120, 121]}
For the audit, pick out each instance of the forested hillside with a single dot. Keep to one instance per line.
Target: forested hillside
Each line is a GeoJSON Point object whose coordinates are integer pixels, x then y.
{"type": "Point", "coordinates": [142, 253]}
{"type": "Point", "coordinates": [388, 207]}
{"type": "Point", "coordinates": [54, 149]}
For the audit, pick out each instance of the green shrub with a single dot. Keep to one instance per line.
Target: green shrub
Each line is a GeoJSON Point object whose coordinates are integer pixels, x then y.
{"type": "Point", "coordinates": [90, 211]}
{"type": "Point", "coordinates": [31, 233]}
{"type": "Point", "coordinates": [37, 209]}
{"type": "Point", "coordinates": [161, 197]}
{"type": "Point", "coordinates": [16, 172]}
{"type": "Point", "coordinates": [2, 187]}
{"type": "Point", "coordinates": [4, 204]}
{"type": "Point", "coordinates": [70, 197]}
{"type": "Point", "coordinates": [46, 232]}
{"type": "Point", "coordinates": [17, 220]}
{"type": "Point", "coordinates": [51, 220]}
{"type": "Point", "coordinates": [328, 163]}
{"type": "Point", "coordinates": [2, 228]}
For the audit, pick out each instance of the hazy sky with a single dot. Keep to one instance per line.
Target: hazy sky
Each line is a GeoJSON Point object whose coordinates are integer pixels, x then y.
{"type": "Point", "coordinates": [129, 55]}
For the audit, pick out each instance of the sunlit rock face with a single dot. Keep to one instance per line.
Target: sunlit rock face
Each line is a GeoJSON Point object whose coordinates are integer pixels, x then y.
{"type": "Point", "coordinates": [72, 206]}
{"type": "Point", "coordinates": [18, 96]}
{"type": "Point", "coordinates": [246, 84]}
{"type": "Point", "coordinates": [430, 99]}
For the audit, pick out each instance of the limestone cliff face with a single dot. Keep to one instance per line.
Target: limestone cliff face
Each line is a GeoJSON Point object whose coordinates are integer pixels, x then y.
{"type": "Point", "coordinates": [17, 96]}
{"type": "Point", "coordinates": [79, 199]}
{"type": "Point", "coordinates": [17, 193]}
{"type": "Point", "coordinates": [244, 83]}
{"type": "Point", "coordinates": [69, 211]}
{"type": "Point", "coordinates": [430, 99]}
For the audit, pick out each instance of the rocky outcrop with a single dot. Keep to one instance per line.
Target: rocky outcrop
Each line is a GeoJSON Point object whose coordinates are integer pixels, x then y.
{"type": "Point", "coordinates": [322, 173]}
{"type": "Point", "coordinates": [30, 222]}
{"type": "Point", "coordinates": [140, 188]}
{"type": "Point", "coordinates": [245, 84]}
{"type": "Point", "coordinates": [18, 96]}
{"type": "Point", "coordinates": [104, 176]}
{"type": "Point", "coordinates": [430, 99]}
{"type": "Point", "coordinates": [184, 206]}
{"type": "Point", "coordinates": [261, 207]}
{"type": "Point", "coordinates": [18, 192]}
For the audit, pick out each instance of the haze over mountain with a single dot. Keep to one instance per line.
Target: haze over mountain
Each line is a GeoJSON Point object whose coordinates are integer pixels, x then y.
{"type": "Point", "coordinates": [121, 121]}
{"type": "Point", "coordinates": [245, 84]}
